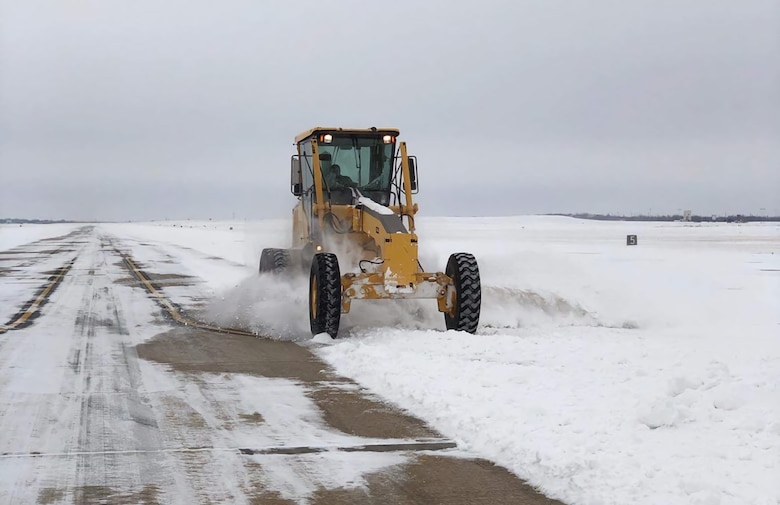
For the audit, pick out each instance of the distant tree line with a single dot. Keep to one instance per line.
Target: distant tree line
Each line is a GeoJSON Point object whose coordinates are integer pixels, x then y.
{"type": "Point", "coordinates": [12, 220]}
{"type": "Point", "coordinates": [735, 218]}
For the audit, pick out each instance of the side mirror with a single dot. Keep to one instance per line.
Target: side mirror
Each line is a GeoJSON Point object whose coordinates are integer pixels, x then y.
{"type": "Point", "coordinates": [413, 173]}
{"type": "Point", "coordinates": [296, 177]}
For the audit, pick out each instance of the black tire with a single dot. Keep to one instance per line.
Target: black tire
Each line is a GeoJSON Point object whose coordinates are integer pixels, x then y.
{"type": "Point", "coordinates": [462, 268]}
{"type": "Point", "coordinates": [274, 261]}
{"type": "Point", "coordinates": [325, 295]}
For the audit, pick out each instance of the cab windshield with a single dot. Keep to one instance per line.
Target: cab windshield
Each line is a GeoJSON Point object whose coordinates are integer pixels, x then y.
{"type": "Point", "coordinates": [362, 162]}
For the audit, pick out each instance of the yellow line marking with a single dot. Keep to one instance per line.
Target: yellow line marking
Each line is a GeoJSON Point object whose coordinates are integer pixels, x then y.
{"type": "Point", "coordinates": [33, 308]}
{"type": "Point", "coordinates": [171, 309]}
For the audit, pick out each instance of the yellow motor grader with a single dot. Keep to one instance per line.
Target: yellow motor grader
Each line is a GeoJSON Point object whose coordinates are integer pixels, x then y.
{"type": "Point", "coordinates": [355, 213]}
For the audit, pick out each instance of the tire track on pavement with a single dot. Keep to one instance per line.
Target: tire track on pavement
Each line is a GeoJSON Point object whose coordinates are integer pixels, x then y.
{"type": "Point", "coordinates": [117, 430]}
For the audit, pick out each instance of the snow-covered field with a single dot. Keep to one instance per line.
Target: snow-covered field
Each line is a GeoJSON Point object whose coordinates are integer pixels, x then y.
{"type": "Point", "coordinates": [12, 235]}
{"type": "Point", "coordinates": [600, 373]}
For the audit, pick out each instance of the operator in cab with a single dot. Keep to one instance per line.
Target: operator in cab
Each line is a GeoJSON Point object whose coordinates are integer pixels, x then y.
{"type": "Point", "coordinates": [334, 179]}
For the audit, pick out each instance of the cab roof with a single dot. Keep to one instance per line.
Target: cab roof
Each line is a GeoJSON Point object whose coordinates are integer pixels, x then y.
{"type": "Point", "coordinates": [336, 129]}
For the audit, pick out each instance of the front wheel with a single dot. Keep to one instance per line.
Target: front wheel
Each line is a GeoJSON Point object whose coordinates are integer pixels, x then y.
{"type": "Point", "coordinates": [464, 315]}
{"type": "Point", "coordinates": [325, 295]}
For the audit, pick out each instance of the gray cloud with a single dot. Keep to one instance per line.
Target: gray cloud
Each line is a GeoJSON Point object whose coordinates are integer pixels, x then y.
{"type": "Point", "coordinates": [575, 105]}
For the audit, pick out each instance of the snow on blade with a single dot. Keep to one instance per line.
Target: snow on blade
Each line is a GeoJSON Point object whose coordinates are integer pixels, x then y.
{"type": "Point", "coordinates": [376, 207]}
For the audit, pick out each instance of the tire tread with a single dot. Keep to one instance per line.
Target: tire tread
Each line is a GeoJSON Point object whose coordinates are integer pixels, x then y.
{"type": "Point", "coordinates": [326, 267]}
{"type": "Point", "coordinates": [464, 271]}
{"type": "Point", "coordinates": [275, 261]}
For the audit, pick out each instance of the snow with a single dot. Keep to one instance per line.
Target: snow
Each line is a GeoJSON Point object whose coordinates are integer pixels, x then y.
{"type": "Point", "coordinates": [329, 470]}
{"type": "Point", "coordinates": [322, 338]}
{"type": "Point", "coordinates": [12, 235]}
{"type": "Point", "coordinates": [376, 207]}
{"type": "Point", "coordinates": [603, 373]}
{"type": "Point", "coordinates": [26, 280]}
{"type": "Point", "coordinates": [600, 373]}
{"type": "Point", "coordinates": [289, 419]}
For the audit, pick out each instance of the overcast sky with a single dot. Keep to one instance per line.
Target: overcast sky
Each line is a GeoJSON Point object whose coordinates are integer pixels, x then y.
{"type": "Point", "coordinates": [152, 109]}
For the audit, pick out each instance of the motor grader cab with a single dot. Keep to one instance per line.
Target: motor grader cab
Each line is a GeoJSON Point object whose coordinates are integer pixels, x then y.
{"type": "Point", "coordinates": [355, 215]}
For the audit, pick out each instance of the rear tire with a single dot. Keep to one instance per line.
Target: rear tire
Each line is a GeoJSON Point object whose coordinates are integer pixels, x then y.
{"type": "Point", "coordinates": [462, 268]}
{"type": "Point", "coordinates": [325, 295]}
{"type": "Point", "coordinates": [274, 261]}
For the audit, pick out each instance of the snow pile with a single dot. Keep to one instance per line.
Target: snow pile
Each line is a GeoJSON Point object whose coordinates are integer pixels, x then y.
{"type": "Point", "coordinates": [603, 374]}
{"type": "Point", "coordinates": [589, 415]}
